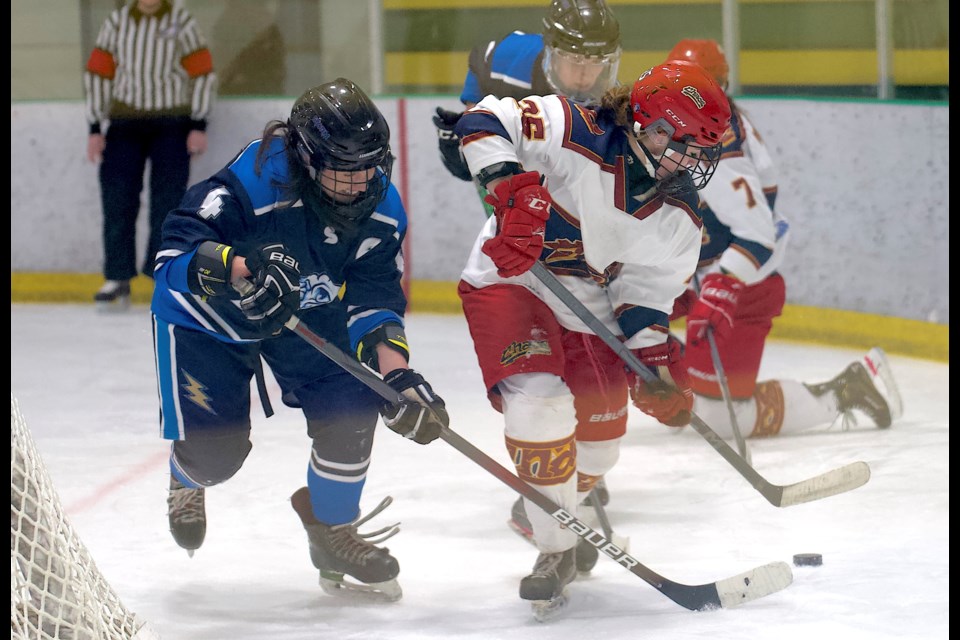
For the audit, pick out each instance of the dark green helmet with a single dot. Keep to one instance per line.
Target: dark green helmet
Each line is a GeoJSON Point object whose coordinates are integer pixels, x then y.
{"type": "Point", "coordinates": [583, 27]}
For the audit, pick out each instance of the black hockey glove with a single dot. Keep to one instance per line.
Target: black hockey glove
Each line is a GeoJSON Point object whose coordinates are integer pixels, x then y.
{"type": "Point", "coordinates": [276, 294]}
{"type": "Point", "coordinates": [421, 414]}
{"type": "Point", "coordinates": [450, 144]}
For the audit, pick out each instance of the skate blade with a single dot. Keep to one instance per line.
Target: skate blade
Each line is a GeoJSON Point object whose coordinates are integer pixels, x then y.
{"type": "Point", "coordinates": [336, 584]}
{"type": "Point", "coordinates": [879, 368]}
{"type": "Point", "coordinates": [546, 610]}
{"type": "Point", "coordinates": [523, 532]}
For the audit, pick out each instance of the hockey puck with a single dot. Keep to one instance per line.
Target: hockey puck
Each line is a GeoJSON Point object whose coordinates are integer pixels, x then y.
{"type": "Point", "coordinates": [807, 560]}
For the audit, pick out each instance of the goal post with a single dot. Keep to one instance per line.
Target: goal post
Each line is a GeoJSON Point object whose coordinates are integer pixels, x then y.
{"type": "Point", "coordinates": [56, 590]}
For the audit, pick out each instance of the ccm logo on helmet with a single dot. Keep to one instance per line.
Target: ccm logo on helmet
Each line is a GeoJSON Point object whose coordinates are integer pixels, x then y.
{"type": "Point", "coordinates": [676, 118]}
{"type": "Point", "coordinates": [693, 94]}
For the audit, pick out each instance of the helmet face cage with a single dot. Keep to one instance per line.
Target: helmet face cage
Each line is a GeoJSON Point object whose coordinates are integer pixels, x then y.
{"type": "Point", "coordinates": [679, 156]}
{"type": "Point", "coordinates": [707, 53]}
{"type": "Point", "coordinates": [353, 191]}
{"type": "Point", "coordinates": [342, 140]}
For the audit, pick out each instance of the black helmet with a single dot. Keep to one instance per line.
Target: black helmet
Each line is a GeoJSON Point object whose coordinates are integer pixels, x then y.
{"type": "Point", "coordinates": [584, 27]}
{"type": "Point", "coordinates": [581, 49]}
{"type": "Point", "coordinates": [338, 127]}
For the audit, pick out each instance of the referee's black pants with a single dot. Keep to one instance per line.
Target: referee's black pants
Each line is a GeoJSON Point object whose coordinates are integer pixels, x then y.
{"type": "Point", "coordinates": [129, 144]}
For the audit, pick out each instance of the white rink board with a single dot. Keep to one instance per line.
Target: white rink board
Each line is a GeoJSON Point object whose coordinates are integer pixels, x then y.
{"type": "Point", "coordinates": [864, 185]}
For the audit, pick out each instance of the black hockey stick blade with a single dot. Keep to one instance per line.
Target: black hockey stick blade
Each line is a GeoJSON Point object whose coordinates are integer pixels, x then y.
{"type": "Point", "coordinates": [824, 485]}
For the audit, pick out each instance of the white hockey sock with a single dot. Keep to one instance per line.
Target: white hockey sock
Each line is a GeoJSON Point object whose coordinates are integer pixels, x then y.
{"type": "Point", "coordinates": [714, 413]}
{"type": "Point", "coordinates": [540, 422]}
{"type": "Point", "coordinates": [594, 459]}
{"type": "Point", "coordinates": [784, 406]}
{"type": "Point", "coordinates": [803, 410]}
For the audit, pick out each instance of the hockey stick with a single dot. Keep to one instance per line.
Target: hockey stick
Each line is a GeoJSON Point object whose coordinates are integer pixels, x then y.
{"type": "Point", "coordinates": [726, 593]}
{"type": "Point", "coordinates": [824, 485]}
{"type": "Point", "coordinates": [601, 511]}
{"type": "Point", "coordinates": [724, 387]}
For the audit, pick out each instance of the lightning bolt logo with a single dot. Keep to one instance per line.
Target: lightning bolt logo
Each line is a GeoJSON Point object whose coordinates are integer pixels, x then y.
{"type": "Point", "coordinates": [195, 392]}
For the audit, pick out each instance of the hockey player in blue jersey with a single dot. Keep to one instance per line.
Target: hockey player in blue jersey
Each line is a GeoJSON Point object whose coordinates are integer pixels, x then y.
{"type": "Point", "coordinates": [297, 213]}
{"type": "Point", "coordinates": [577, 55]}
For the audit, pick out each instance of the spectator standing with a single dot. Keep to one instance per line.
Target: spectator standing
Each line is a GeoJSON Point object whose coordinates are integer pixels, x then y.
{"type": "Point", "coordinates": [151, 76]}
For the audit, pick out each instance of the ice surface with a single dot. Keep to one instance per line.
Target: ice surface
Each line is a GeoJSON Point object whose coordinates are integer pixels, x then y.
{"type": "Point", "coordinates": [86, 386]}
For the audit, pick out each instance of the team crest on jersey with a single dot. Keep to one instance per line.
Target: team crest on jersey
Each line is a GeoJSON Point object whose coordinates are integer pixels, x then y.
{"type": "Point", "coordinates": [317, 289]}
{"type": "Point", "coordinates": [518, 350]}
{"type": "Point", "coordinates": [693, 94]}
{"type": "Point", "coordinates": [563, 250]}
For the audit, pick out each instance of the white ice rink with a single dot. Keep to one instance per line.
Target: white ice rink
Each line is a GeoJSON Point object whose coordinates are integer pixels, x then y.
{"type": "Point", "coordinates": [86, 386]}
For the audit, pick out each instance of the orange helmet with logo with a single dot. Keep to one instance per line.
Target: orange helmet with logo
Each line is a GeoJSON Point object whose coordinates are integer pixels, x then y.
{"type": "Point", "coordinates": [707, 54]}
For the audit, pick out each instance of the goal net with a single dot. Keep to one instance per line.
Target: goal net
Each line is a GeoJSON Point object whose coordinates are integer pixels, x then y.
{"type": "Point", "coordinates": [56, 590]}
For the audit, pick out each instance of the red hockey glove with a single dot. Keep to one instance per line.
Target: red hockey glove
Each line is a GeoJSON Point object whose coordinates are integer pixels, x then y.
{"type": "Point", "coordinates": [683, 304]}
{"type": "Point", "coordinates": [522, 206]}
{"type": "Point", "coordinates": [714, 309]}
{"type": "Point", "coordinates": [668, 399]}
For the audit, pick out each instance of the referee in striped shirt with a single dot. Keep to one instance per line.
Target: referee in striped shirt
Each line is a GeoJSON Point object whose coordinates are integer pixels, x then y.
{"type": "Point", "coordinates": [151, 76]}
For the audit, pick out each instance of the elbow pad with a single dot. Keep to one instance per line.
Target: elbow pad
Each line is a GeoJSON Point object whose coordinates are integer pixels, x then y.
{"type": "Point", "coordinates": [390, 334]}
{"type": "Point", "coordinates": [209, 270]}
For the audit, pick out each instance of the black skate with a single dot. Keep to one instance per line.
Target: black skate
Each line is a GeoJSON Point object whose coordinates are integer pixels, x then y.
{"type": "Point", "coordinates": [340, 550]}
{"type": "Point", "coordinates": [866, 385]}
{"type": "Point", "coordinates": [546, 586]}
{"type": "Point", "coordinates": [113, 295]}
{"type": "Point", "coordinates": [188, 518]}
{"type": "Point", "coordinates": [587, 554]}
{"type": "Point", "coordinates": [601, 490]}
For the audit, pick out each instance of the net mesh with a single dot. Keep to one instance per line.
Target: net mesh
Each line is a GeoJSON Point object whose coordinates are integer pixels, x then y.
{"type": "Point", "coordinates": [56, 590]}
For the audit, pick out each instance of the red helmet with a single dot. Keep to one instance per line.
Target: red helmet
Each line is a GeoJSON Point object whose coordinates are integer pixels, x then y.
{"type": "Point", "coordinates": [684, 99]}
{"type": "Point", "coordinates": [707, 54]}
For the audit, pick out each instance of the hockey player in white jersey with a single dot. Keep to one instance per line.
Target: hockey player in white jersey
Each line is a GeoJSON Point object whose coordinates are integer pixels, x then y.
{"type": "Point", "coordinates": [742, 291]}
{"type": "Point", "coordinates": [606, 198]}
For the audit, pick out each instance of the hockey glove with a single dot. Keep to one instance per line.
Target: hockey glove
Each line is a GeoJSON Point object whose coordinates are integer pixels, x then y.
{"type": "Point", "coordinates": [276, 294]}
{"type": "Point", "coordinates": [715, 309]}
{"type": "Point", "coordinates": [668, 399]}
{"type": "Point", "coordinates": [683, 304]}
{"type": "Point", "coordinates": [421, 414]}
{"type": "Point", "coordinates": [522, 207]}
{"type": "Point", "coordinates": [450, 144]}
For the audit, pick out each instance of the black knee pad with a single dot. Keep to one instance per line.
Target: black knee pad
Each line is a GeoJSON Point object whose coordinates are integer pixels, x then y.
{"type": "Point", "coordinates": [346, 440]}
{"type": "Point", "coordinates": [210, 461]}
